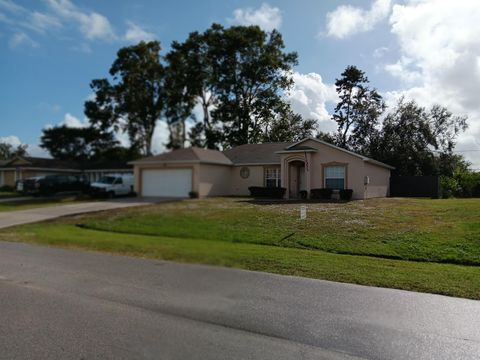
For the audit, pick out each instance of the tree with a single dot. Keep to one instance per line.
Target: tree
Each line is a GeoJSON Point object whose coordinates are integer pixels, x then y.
{"type": "Point", "coordinates": [133, 101]}
{"type": "Point", "coordinates": [253, 73]}
{"type": "Point", "coordinates": [8, 151]}
{"type": "Point", "coordinates": [289, 127]}
{"type": "Point", "coordinates": [191, 76]}
{"type": "Point", "coordinates": [327, 137]}
{"type": "Point", "coordinates": [236, 75]}
{"type": "Point", "coordinates": [77, 144]}
{"type": "Point", "coordinates": [358, 111]}
{"type": "Point", "coordinates": [417, 141]}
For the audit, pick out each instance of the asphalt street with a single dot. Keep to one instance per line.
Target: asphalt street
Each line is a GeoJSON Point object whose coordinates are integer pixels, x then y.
{"type": "Point", "coordinates": [68, 304]}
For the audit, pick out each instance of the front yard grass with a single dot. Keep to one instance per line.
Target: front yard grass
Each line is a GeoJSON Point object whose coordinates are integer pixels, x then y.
{"type": "Point", "coordinates": [8, 194]}
{"type": "Point", "coordinates": [413, 244]}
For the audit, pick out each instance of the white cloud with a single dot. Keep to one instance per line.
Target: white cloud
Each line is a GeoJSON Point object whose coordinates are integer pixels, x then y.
{"type": "Point", "coordinates": [380, 52]}
{"type": "Point", "coordinates": [12, 140]}
{"type": "Point", "coordinates": [309, 97]}
{"type": "Point", "coordinates": [71, 121]}
{"type": "Point", "coordinates": [440, 59]}
{"type": "Point", "coordinates": [32, 149]}
{"type": "Point", "coordinates": [266, 16]}
{"type": "Point", "coordinates": [21, 39]}
{"type": "Point", "coordinates": [135, 33]}
{"type": "Point", "coordinates": [11, 6]}
{"type": "Point", "coordinates": [347, 20]}
{"type": "Point", "coordinates": [160, 137]}
{"type": "Point", "coordinates": [91, 24]}
{"type": "Point", "coordinates": [41, 22]}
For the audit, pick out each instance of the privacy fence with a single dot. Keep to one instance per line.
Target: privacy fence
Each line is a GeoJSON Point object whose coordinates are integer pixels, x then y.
{"type": "Point", "coordinates": [415, 186]}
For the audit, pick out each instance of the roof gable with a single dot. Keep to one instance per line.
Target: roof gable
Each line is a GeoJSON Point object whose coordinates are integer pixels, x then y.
{"type": "Point", "coordinates": [364, 158]}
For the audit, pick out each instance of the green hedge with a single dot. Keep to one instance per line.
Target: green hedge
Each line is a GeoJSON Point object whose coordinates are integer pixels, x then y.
{"type": "Point", "coordinates": [267, 192]}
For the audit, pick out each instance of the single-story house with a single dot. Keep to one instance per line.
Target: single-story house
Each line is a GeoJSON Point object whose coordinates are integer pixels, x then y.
{"type": "Point", "coordinates": [304, 165]}
{"type": "Point", "coordinates": [23, 167]}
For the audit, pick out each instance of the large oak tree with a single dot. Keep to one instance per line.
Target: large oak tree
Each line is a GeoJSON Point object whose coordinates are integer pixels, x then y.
{"type": "Point", "coordinates": [133, 100]}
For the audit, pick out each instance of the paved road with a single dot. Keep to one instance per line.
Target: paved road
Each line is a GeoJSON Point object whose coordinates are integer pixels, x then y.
{"type": "Point", "coordinates": [12, 218]}
{"type": "Point", "coordinates": [66, 304]}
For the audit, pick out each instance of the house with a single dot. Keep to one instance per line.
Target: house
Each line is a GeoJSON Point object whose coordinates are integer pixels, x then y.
{"type": "Point", "coordinates": [304, 165]}
{"type": "Point", "coordinates": [25, 167]}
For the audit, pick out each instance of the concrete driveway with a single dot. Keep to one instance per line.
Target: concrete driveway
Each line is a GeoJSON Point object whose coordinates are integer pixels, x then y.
{"type": "Point", "coordinates": [12, 218]}
{"type": "Point", "coordinates": [67, 304]}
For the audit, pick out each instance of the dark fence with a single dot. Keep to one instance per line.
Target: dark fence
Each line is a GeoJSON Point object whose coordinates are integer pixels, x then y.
{"type": "Point", "coordinates": [415, 186]}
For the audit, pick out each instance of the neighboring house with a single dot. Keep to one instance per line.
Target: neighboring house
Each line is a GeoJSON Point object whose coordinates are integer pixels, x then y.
{"type": "Point", "coordinates": [20, 168]}
{"type": "Point", "coordinates": [305, 165]}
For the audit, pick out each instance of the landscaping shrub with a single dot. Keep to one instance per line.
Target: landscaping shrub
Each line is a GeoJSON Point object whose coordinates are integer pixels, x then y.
{"type": "Point", "coordinates": [465, 184]}
{"type": "Point", "coordinates": [6, 188]}
{"type": "Point", "coordinates": [346, 194]}
{"type": "Point", "coordinates": [321, 194]}
{"type": "Point", "coordinates": [193, 195]}
{"type": "Point", "coordinates": [267, 192]}
{"type": "Point", "coordinates": [303, 194]}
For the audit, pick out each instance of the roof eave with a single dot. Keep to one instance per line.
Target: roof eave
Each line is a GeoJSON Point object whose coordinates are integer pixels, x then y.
{"type": "Point", "coordinates": [295, 151]}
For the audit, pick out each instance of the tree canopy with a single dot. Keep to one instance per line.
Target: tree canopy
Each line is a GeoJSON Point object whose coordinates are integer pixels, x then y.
{"type": "Point", "coordinates": [77, 144]}
{"type": "Point", "coordinates": [237, 76]}
{"type": "Point", "coordinates": [133, 101]}
{"type": "Point", "coordinates": [358, 111]}
{"type": "Point", "coordinates": [8, 151]}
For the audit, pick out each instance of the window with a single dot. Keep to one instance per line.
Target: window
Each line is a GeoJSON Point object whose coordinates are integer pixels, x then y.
{"type": "Point", "coordinates": [335, 177]}
{"type": "Point", "coordinates": [272, 177]}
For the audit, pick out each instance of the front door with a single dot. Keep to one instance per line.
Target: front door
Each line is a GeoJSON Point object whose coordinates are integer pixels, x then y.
{"type": "Point", "coordinates": [296, 179]}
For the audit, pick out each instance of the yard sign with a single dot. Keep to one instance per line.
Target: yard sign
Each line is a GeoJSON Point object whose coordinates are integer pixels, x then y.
{"type": "Point", "coordinates": [303, 212]}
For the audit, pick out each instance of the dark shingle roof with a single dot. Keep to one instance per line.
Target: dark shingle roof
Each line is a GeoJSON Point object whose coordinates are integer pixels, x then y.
{"type": "Point", "coordinates": [256, 153]}
{"type": "Point", "coordinates": [193, 154]}
{"type": "Point", "coordinates": [37, 162]}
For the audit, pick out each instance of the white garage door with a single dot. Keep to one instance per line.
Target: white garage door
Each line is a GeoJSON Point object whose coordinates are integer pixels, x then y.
{"type": "Point", "coordinates": [167, 182]}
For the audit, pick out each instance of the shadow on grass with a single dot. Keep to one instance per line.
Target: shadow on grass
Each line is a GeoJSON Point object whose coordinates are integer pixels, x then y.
{"type": "Point", "coordinates": [268, 201]}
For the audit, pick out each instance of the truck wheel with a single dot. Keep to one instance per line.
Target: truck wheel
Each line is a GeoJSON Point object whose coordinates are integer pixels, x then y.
{"type": "Point", "coordinates": [110, 194]}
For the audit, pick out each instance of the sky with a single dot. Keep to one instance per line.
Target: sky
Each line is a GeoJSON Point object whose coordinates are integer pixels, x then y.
{"type": "Point", "coordinates": [427, 50]}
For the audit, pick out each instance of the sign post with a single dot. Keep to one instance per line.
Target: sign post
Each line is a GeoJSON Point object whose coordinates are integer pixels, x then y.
{"type": "Point", "coordinates": [303, 212]}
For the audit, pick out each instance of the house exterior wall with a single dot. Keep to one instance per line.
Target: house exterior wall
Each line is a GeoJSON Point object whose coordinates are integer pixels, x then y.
{"type": "Point", "coordinates": [328, 156]}
{"type": "Point", "coordinates": [214, 180]}
{"type": "Point", "coordinates": [239, 186]}
{"type": "Point", "coordinates": [379, 184]}
{"type": "Point", "coordinates": [11, 176]}
{"type": "Point", "coordinates": [138, 168]}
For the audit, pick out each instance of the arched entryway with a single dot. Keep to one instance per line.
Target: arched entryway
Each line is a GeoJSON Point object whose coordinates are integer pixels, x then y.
{"type": "Point", "coordinates": [296, 178]}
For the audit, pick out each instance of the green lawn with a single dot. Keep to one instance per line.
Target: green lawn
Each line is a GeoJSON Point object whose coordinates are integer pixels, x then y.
{"type": "Point", "coordinates": [366, 242]}
{"type": "Point", "coordinates": [8, 194]}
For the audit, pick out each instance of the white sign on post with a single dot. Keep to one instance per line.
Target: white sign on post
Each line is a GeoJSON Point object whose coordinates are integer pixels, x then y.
{"type": "Point", "coordinates": [303, 212]}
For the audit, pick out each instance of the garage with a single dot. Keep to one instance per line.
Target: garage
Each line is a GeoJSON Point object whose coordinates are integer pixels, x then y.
{"type": "Point", "coordinates": [166, 182]}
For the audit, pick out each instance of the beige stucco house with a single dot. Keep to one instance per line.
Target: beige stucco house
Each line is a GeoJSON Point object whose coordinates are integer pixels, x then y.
{"type": "Point", "coordinates": [305, 165]}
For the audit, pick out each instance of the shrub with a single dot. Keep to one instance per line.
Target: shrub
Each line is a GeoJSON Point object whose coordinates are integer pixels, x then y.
{"type": "Point", "coordinates": [303, 194]}
{"type": "Point", "coordinates": [6, 188]}
{"type": "Point", "coordinates": [468, 184]}
{"type": "Point", "coordinates": [346, 194]}
{"type": "Point", "coordinates": [449, 186]}
{"type": "Point", "coordinates": [267, 192]}
{"type": "Point", "coordinates": [193, 195]}
{"type": "Point", "coordinates": [321, 193]}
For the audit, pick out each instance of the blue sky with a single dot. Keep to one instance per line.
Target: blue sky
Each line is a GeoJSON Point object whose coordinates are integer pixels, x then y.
{"type": "Point", "coordinates": [51, 49]}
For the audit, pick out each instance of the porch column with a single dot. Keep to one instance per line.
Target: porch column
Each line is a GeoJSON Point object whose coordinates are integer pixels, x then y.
{"type": "Point", "coordinates": [283, 175]}
{"type": "Point", "coordinates": [308, 172]}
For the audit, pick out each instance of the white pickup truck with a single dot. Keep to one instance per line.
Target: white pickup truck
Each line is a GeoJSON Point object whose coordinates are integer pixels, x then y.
{"type": "Point", "coordinates": [112, 185]}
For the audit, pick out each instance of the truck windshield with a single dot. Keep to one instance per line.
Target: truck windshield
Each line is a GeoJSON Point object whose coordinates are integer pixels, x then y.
{"type": "Point", "coordinates": [107, 180]}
